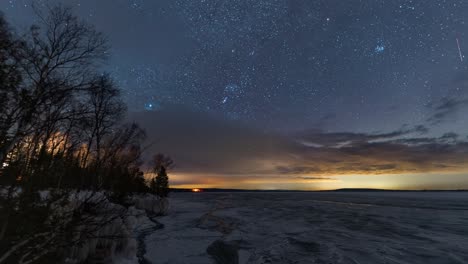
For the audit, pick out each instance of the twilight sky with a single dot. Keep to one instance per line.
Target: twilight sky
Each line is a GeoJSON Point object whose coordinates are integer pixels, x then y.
{"type": "Point", "coordinates": [292, 94]}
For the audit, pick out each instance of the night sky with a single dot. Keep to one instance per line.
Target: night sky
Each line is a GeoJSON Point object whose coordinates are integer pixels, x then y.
{"type": "Point", "coordinates": [292, 94]}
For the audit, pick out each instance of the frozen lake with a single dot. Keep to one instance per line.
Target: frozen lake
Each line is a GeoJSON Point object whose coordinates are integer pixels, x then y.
{"type": "Point", "coordinates": [328, 227]}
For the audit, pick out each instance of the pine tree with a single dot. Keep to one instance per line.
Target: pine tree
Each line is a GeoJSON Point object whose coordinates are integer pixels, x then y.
{"type": "Point", "coordinates": [160, 184]}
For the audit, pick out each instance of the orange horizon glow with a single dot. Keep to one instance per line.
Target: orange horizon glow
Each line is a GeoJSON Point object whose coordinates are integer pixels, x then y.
{"type": "Point", "coordinates": [425, 181]}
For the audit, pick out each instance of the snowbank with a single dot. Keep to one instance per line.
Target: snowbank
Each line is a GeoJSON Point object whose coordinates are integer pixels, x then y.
{"type": "Point", "coordinates": [114, 228]}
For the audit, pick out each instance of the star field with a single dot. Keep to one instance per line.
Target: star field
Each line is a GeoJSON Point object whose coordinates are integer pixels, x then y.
{"type": "Point", "coordinates": [300, 59]}
{"type": "Point", "coordinates": [358, 66]}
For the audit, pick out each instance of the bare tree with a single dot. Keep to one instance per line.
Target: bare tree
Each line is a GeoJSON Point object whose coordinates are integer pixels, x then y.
{"type": "Point", "coordinates": [54, 61]}
{"type": "Point", "coordinates": [60, 127]}
{"type": "Point", "coordinates": [10, 79]}
{"type": "Point", "coordinates": [105, 111]}
{"type": "Point", "coordinates": [160, 160]}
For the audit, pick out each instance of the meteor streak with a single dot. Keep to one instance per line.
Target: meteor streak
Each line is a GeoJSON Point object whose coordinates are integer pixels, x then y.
{"type": "Point", "coordinates": [459, 50]}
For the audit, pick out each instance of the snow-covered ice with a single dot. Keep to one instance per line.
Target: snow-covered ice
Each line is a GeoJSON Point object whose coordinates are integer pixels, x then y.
{"type": "Point", "coordinates": [325, 227]}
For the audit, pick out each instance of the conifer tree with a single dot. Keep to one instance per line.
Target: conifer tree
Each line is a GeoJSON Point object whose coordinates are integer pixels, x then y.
{"type": "Point", "coordinates": [160, 184]}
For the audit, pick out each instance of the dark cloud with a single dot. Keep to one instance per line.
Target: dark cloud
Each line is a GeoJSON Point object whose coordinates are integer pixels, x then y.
{"type": "Point", "coordinates": [203, 144]}
{"type": "Point", "coordinates": [340, 139]}
{"type": "Point", "coordinates": [297, 169]}
{"type": "Point", "coordinates": [446, 138]}
{"type": "Point", "coordinates": [450, 136]}
{"type": "Point", "coordinates": [387, 158]}
{"type": "Point", "coordinates": [445, 109]}
{"type": "Point", "coordinates": [315, 178]}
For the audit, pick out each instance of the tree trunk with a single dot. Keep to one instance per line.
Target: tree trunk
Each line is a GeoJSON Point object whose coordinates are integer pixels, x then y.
{"type": "Point", "coordinates": [5, 149]}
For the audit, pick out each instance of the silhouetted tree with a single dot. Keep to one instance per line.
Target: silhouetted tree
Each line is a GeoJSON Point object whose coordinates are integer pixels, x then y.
{"type": "Point", "coordinates": [160, 183]}
{"type": "Point", "coordinates": [10, 79]}
{"type": "Point", "coordinates": [105, 112]}
{"type": "Point", "coordinates": [55, 60]}
{"type": "Point", "coordinates": [60, 128]}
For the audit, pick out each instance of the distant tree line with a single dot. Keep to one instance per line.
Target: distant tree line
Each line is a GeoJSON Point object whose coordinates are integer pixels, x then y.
{"type": "Point", "coordinates": [61, 125]}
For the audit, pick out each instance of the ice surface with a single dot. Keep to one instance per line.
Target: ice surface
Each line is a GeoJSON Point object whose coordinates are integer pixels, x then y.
{"type": "Point", "coordinates": [329, 227]}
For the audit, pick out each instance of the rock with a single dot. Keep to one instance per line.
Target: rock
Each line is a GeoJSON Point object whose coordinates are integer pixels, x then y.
{"type": "Point", "coordinates": [223, 252]}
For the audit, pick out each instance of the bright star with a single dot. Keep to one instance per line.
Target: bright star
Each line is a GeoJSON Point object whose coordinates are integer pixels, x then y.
{"type": "Point", "coordinates": [150, 106]}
